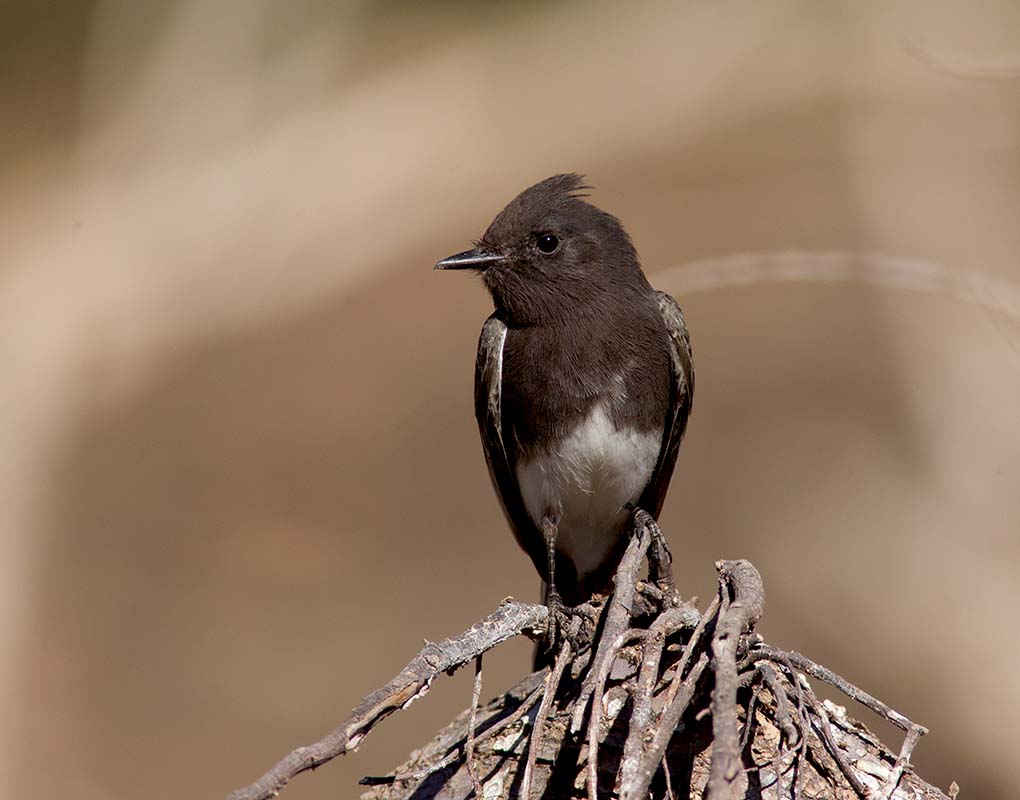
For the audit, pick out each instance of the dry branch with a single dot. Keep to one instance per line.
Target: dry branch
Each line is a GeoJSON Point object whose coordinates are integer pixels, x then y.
{"type": "Point", "coordinates": [743, 603]}
{"type": "Point", "coordinates": [666, 702]}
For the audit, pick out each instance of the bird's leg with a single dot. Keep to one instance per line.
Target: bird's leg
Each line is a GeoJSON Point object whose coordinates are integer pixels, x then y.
{"type": "Point", "coordinates": [660, 560]}
{"type": "Point", "coordinates": [553, 601]}
{"type": "Point", "coordinates": [565, 623]}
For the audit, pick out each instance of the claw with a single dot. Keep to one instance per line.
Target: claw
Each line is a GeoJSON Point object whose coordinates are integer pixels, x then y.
{"type": "Point", "coordinates": [573, 625]}
{"type": "Point", "coordinates": [660, 559]}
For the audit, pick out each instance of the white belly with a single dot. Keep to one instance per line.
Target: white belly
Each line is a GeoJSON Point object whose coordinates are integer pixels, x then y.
{"type": "Point", "coordinates": [586, 482]}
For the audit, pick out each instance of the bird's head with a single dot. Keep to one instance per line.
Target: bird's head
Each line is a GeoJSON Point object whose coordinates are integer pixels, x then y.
{"type": "Point", "coordinates": [550, 254]}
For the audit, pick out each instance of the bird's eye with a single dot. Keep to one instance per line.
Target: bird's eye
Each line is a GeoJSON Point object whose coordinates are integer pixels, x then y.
{"type": "Point", "coordinates": [547, 242]}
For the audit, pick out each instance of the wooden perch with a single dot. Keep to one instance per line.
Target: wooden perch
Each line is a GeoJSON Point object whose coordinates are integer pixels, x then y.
{"type": "Point", "coordinates": [662, 702]}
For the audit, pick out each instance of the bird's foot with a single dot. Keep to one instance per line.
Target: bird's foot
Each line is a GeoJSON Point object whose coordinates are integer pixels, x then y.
{"type": "Point", "coordinates": [660, 560]}
{"type": "Point", "coordinates": [573, 624]}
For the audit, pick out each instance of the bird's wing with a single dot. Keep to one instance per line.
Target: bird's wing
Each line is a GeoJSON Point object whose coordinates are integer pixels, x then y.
{"type": "Point", "coordinates": [681, 397]}
{"type": "Point", "coordinates": [499, 457]}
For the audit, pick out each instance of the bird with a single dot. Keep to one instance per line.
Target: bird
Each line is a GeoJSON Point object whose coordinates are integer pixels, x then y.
{"type": "Point", "coordinates": [584, 382]}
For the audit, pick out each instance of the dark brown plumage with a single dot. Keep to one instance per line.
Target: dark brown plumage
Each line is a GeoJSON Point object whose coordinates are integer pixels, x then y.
{"type": "Point", "coordinates": [583, 384]}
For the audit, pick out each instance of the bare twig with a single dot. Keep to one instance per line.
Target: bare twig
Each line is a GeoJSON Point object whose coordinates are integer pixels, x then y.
{"type": "Point", "coordinates": [742, 580]}
{"type": "Point", "coordinates": [526, 705]}
{"type": "Point", "coordinates": [805, 727]}
{"type": "Point", "coordinates": [552, 684]}
{"type": "Point", "coordinates": [595, 718]}
{"type": "Point", "coordinates": [617, 618]}
{"type": "Point", "coordinates": [752, 707]}
{"type": "Point", "coordinates": [636, 785]}
{"type": "Point", "coordinates": [413, 681]}
{"type": "Point", "coordinates": [783, 719]}
{"type": "Point", "coordinates": [669, 780]}
{"type": "Point", "coordinates": [469, 745]}
{"type": "Point", "coordinates": [692, 646]}
{"type": "Point", "coordinates": [640, 717]}
{"type": "Point", "coordinates": [909, 743]}
{"type": "Point", "coordinates": [805, 664]}
{"type": "Point", "coordinates": [653, 592]}
{"type": "Point", "coordinates": [635, 778]}
{"type": "Point", "coordinates": [825, 729]}
{"type": "Point", "coordinates": [456, 752]}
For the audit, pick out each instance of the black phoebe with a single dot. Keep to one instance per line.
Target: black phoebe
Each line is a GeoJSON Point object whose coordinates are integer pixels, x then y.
{"type": "Point", "coordinates": [583, 383]}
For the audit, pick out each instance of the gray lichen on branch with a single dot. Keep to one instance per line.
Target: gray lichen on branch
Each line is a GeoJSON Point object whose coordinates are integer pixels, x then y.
{"type": "Point", "coordinates": [663, 702]}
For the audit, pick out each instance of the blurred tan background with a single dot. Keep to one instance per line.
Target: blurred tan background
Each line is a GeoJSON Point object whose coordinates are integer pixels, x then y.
{"type": "Point", "coordinates": [241, 479]}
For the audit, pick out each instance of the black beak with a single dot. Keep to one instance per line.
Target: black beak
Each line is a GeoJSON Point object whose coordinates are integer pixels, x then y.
{"type": "Point", "coordinates": [478, 258]}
